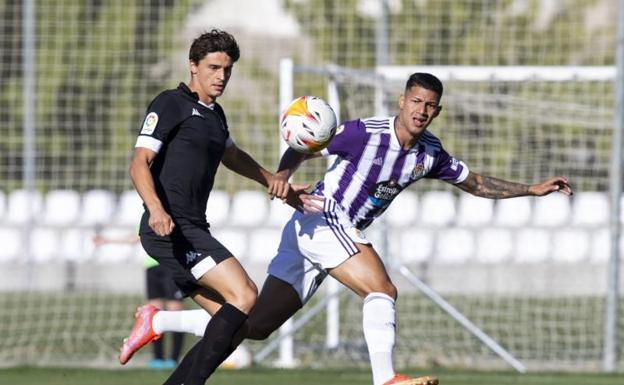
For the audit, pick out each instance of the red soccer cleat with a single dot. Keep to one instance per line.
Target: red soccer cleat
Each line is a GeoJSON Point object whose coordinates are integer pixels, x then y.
{"type": "Point", "coordinates": [400, 379]}
{"type": "Point", "coordinates": [141, 334]}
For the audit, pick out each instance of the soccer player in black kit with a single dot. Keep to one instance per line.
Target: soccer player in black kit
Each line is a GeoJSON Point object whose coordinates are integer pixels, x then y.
{"type": "Point", "coordinates": [183, 139]}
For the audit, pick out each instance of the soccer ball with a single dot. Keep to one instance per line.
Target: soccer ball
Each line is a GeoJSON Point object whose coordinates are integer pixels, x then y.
{"type": "Point", "coordinates": [308, 124]}
{"type": "Point", "coordinates": [239, 359]}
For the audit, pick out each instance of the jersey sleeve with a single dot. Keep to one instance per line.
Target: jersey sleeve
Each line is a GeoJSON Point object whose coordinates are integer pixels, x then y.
{"type": "Point", "coordinates": [162, 116]}
{"type": "Point", "coordinates": [348, 141]}
{"type": "Point", "coordinates": [448, 168]}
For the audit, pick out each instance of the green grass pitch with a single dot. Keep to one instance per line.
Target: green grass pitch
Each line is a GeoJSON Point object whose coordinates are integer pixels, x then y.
{"type": "Point", "coordinates": [261, 376]}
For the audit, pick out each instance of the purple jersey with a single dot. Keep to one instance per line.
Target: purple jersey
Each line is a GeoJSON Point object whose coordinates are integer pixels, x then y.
{"type": "Point", "coordinates": [371, 168]}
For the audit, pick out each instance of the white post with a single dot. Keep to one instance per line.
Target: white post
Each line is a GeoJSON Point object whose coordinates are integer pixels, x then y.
{"type": "Point", "coordinates": [29, 104]}
{"type": "Point", "coordinates": [332, 339]}
{"type": "Point", "coordinates": [610, 353]}
{"type": "Point", "coordinates": [286, 349]}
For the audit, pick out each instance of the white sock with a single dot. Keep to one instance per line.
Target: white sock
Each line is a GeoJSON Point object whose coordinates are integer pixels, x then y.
{"type": "Point", "coordinates": [379, 324]}
{"type": "Point", "coordinates": [184, 321]}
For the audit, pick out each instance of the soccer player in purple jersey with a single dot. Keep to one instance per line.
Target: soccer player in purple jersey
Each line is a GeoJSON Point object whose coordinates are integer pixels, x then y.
{"type": "Point", "coordinates": [376, 159]}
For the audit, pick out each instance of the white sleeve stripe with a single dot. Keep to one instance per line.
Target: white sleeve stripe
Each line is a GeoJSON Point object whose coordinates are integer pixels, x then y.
{"type": "Point", "coordinates": [464, 174]}
{"type": "Point", "coordinates": [148, 142]}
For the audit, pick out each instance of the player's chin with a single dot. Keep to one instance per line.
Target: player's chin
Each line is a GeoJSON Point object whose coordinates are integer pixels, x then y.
{"type": "Point", "coordinates": [418, 130]}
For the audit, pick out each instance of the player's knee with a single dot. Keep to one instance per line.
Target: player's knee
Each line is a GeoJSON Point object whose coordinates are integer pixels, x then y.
{"type": "Point", "coordinates": [391, 290]}
{"type": "Point", "coordinates": [245, 298]}
{"type": "Point", "coordinates": [386, 287]}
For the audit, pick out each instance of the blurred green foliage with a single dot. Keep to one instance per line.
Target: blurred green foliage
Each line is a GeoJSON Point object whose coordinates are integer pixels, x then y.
{"type": "Point", "coordinates": [99, 63]}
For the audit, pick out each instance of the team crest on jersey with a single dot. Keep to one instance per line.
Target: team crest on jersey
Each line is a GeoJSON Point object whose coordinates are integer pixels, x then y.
{"type": "Point", "coordinates": [383, 193]}
{"type": "Point", "coordinates": [339, 129]}
{"type": "Point", "coordinates": [149, 125]}
{"type": "Point", "coordinates": [418, 171]}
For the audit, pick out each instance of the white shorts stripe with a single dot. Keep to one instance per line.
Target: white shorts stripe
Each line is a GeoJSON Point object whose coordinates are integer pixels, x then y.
{"type": "Point", "coordinates": [337, 229]}
{"type": "Point", "coordinates": [203, 267]}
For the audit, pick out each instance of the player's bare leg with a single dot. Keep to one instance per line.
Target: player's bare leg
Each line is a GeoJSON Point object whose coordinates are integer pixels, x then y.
{"type": "Point", "coordinates": [230, 281]}
{"type": "Point", "coordinates": [265, 317]}
{"type": "Point", "coordinates": [366, 275]}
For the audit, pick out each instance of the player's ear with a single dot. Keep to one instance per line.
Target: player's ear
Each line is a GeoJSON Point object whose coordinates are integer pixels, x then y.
{"type": "Point", "coordinates": [437, 111]}
{"type": "Point", "coordinates": [401, 101]}
{"type": "Point", "coordinates": [193, 67]}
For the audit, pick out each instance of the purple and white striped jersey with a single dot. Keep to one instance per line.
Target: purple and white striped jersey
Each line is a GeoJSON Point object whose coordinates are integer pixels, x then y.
{"type": "Point", "coordinates": [371, 168]}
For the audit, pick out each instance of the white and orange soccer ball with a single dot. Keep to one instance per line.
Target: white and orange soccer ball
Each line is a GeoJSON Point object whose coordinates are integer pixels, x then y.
{"type": "Point", "coordinates": [308, 124]}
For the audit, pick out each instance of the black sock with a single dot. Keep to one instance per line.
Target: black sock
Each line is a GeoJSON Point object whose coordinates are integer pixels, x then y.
{"type": "Point", "coordinates": [157, 347]}
{"type": "Point", "coordinates": [176, 345]}
{"type": "Point", "coordinates": [183, 369]}
{"type": "Point", "coordinates": [215, 344]}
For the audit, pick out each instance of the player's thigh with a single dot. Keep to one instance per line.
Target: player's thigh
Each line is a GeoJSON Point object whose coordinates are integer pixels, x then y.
{"type": "Point", "coordinates": [364, 273]}
{"type": "Point", "coordinates": [276, 303]}
{"type": "Point", "coordinates": [207, 299]}
{"type": "Point", "coordinates": [230, 280]}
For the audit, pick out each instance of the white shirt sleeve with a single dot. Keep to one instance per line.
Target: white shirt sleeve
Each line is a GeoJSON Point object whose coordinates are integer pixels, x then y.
{"type": "Point", "coordinates": [149, 143]}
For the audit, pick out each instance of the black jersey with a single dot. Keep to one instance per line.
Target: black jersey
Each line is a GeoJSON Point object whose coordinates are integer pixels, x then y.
{"type": "Point", "coordinates": [189, 139]}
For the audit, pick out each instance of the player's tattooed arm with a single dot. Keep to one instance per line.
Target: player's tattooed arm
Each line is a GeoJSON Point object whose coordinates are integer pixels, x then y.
{"type": "Point", "coordinates": [494, 188]}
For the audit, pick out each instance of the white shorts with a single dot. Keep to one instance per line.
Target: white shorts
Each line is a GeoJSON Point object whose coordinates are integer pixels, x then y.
{"type": "Point", "coordinates": [311, 244]}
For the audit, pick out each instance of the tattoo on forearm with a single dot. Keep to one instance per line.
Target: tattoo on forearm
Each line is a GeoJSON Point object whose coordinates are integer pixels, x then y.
{"type": "Point", "coordinates": [494, 188]}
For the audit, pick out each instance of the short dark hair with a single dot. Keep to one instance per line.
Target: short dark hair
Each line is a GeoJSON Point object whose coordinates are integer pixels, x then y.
{"type": "Point", "coordinates": [425, 80]}
{"type": "Point", "coordinates": [214, 41]}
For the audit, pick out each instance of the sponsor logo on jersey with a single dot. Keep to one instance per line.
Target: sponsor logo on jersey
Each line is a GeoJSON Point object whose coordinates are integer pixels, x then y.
{"type": "Point", "coordinates": [418, 171]}
{"type": "Point", "coordinates": [149, 125]}
{"type": "Point", "coordinates": [378, 161]}
{"type": "Point", "coordinates": [454, 164]}
{"type": "Point", "coordinates": [196, 113]}
{"type": "Point", "coordinates": [383, 193]}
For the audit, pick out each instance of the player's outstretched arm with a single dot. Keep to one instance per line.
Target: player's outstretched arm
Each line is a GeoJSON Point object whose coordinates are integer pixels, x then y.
{"type": "Point", "coordinates": [243, 164]}
{"type": "Point", "coordinates": [289, 163]}
{"type": "Point", "coordinates": [494, 188]}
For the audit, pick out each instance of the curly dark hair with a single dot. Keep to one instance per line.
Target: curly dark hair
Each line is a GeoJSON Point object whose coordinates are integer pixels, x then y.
{"type": "Point", "coordinates": [214, 41]}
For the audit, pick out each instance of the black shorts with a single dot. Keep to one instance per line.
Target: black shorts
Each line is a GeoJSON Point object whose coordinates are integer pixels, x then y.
{"type": "Point", "coordinates": [160, 285]}
{"type": "Point", "coordinates": [188, 248]}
